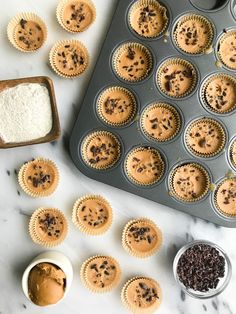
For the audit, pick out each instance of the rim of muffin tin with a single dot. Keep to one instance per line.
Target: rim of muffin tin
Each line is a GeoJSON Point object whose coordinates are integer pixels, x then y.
{"type": "Point", "coordinates": [210, 10]}
{"type": "Point", "coordinates": [196, 118]}
{"type": "Point", "coordinates": [170, 175]}
{"type": "Point", "coordinates": [202, 98]}
{"type": "Point", "coordinates": [165, 164]}
{"type": "Point", "coordinates": [184, 58]}
{"type": "Point", "coordinates": [213, 201]}
{"type": "Point", "coordinates": [229, 158]}
{"type": "Point", "coordinates": [217, 45]}
{"type": "Point", "coordinates": [162, 34]}
{"type": "Point", "coordinates": [232, 5]}
{"type": "Point", "coordinates": [173, 28]}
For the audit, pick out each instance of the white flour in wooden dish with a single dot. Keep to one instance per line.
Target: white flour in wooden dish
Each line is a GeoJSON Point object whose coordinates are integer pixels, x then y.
{"type": "Point", "coordinates": [25, 113]}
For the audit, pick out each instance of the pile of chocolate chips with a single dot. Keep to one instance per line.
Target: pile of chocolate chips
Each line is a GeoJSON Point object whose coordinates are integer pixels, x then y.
{"type": "Point", "coordinates": [200, 267]}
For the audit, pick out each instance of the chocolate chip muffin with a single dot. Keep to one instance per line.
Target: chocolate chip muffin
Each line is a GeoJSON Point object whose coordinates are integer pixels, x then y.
{"type": "Point", "coordinates": [100, 150]}
{"type": "Point", "coordinates": [144, 166]}
{"type": "Point", "coordinates": [193, 34]}
{"type": "Point", "coordinates": [132, 62]}
{"type": "Point", "coordinates": [176, 77]}
{"type": "Point", "coordinates": [189, 182]}
{"type": "Point", "coordinates": [225, 197]}
{"type": "Point", "coordinates": [232, 153]}
{"type": "Point", "coordinates": [219, 93]}
{"type": "Point", "coordinates": [227, 49]}
{"type": "Point", "coordinates": [160, 122]}
{"type": "Point", "coordinates": [148, 18]}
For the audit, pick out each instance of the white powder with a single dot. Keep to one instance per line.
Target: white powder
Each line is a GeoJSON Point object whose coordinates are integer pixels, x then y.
{"type": "Point", "coordinates": [25, 113]}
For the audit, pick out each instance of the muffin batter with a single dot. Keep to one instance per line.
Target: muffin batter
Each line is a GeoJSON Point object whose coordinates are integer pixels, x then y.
{"type": "Point", "coordinates": [227, 49]}
{"type": "Point", "coordinates": [225, 197]}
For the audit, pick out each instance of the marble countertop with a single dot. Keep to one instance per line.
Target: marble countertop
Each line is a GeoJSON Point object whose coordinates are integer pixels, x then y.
{"type": "Point", "coordinates": [16, 247]}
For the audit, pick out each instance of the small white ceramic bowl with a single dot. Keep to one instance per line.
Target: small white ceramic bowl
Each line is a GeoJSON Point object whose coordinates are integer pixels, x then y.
{"type": "Point", "coordinates": [55, 258]}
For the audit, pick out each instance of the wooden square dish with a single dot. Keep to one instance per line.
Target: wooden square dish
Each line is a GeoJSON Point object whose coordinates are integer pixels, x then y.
{"type": "Point", "coordinates": [55, 131]}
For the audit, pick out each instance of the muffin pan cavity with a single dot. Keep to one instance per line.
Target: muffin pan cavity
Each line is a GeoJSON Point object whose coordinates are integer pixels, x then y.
{"type": "Point", "coordinates": [162, 105]}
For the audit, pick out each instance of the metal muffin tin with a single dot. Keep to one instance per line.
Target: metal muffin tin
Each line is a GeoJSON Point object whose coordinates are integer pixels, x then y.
{"type": "Point", "coordinates": [174, 152]}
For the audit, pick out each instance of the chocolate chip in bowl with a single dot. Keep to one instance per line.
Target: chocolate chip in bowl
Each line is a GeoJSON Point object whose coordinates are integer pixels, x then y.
{"type": "Point", "coordinates": [202, 269]}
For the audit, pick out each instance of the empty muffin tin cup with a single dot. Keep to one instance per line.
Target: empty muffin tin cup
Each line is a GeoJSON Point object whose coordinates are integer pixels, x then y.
{"type": "Point", "coordinates": [52, 257]}
{"type": "Point", "coordinates": [223, 282]}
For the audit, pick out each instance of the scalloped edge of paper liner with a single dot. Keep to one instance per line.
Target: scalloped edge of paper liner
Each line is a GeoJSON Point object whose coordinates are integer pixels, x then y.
{"type": "Point", "coordinates": [195, 17]}
{"type": "Point", "coordinates": [199, 167]}
{"type": "Point", "coordinates": [135, 253]}
{"type": "Point", "coordinates": [100, 101]}
{"type": "Point", "coordinates": [158, 6]}
{"type": "Point", "coordinates": [165, 106]}
{"type": "Point", "coordinates": [222, 38]}
{"type": "Point", "coordinates": [187, 64]}
{"type": "Point", "coordinates": [28, 16]}
{"type": "Point", "coordinates": [222, 213]}
{"type": "Point", "coordinates": [23, 185]}
{"type": "Point", "coordinates": [87, 139]}
{"type": "Point", "coordinates": [83, 274]}
{"type": "Point", "coordinates": [134, 309]}
{"type": "Point", "coordinates": [144, 148]}
{"type": "Point", "coordinates": [231, 153]}
{"type": "Point", "coordinates": [32, 230]}
{"type": "Point", "coordinates": [134, 45]}
{"type": "Point", "coordinates": [90, 230]}
{"type": "Point", "coordinates": [205, 85]}
{"type": "Point", "coordinates": [60, 9]}
{"type": "Point", "coordinates": [216, 124]}
{"type": "Point", "coordinates": [53, 52]}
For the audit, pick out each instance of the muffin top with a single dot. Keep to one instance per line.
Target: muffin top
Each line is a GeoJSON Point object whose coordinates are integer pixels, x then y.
{"type": "Point", "coordinates": [220, 93]}
{"type": "Point", "coordinates": [148, 19]}
{"type": "Point", "coordinates": [227, 50]}
{"type": "Point", "coordinates": [193, 34]}
{"type": "Point", "coordinates": [225, 197]}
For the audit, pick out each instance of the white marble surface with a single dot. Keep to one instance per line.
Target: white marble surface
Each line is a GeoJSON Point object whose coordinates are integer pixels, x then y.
{"type": "Point", "coordinates": [16, 246]}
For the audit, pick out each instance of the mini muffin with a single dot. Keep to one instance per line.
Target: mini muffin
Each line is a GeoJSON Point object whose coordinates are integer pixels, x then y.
{"type": "Point", "coordinates": [92, 214]}
{"type": "Point", "coordinates": [69, 58]}
{"type": "Point", "coordinates": [116, 106]}
{"type": "Point", "coordinates": [160, 122]}
{"type": "Point", "coordinates": [141, 295]}
{"type": "Point", "coordinates": [189, 182]}
{"type": "Point", "coordinates": [39, 177]}
{"type": "Point", "coordinates": [101, 150]}
{"type": "Point", "coordinates": [100, 273]}
{"type": "Point", "coordinates": [144, 166]}
{"type": "Point", "coordinates": [227, 49]}
{"type": "Point", "coordinates": [232, 153]}
{"type": "Point", "coordinates": [148, 18]}
{"type": "Point", "coordinates": [76, 15]}
{"type": "Point", "coordinates": [27, 32]}
{"type": "Point", "coordinates": [219, 93]}
{"type": "Point", "coordinates": [193, 34]}
{"type": "Point", "coordinates": [177, 77]}
{"type": "Point", "coordinates": [225, 197]}
{"type": "Point", "coordinates": [48, 227]}
{"type": "Point", "coordinates": [205, 137]}
{"type": "Point", "coordinates": [132, 62]}
{"type": "Point", "coordinates": [141, 237]}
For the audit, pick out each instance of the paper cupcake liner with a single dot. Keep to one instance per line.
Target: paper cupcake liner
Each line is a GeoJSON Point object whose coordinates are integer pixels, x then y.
{"type": "Point", "coordinates": [208, 25]}
{"type": "Point", "coordinates": [223, 213]}
{"type": "Point", "coordinates": [134, 309]}
{"type": "Point", "coordinates": [22, 179]}
{"type": "Point", "coordinates": [187, 65]}
{"type": "Point", "coordinates": [216, 124]}
{"type": "Point", "coordinates": [126, 246]}
{"type": "Point", "coordinates": [165, 106]}
{"type": "Point", "coordinates": [231, 153]}
{"type": "Point", "coordinates": [59, 13]}
{"type": "Point", "coordinates": [86, 142]}
{"type": "Point", "coordinates": [158, 6]}
{"type": "Point", "coordinates": [207, 187]}
{"type": "Point", "coordinates": [33, 232]}
{"type": "Point", "coordinates": [222, 38]}
{"type": "Point", "coordinates": [205, 85]}
{"type": "Point", "coordinates": [157, 153]}
{"type": "Point", "coordinates": [83, 275]}
{"type": "Point", "coordinates": [86, 229]}
{"type": "Point", "coordinates": [28, 16]}
{"type": "Point", "coordinates": [101, 99]}
{"type": "Point", "coordinates": [133, 45]}
{"type": "Point", "coordinates": [53, 52]}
